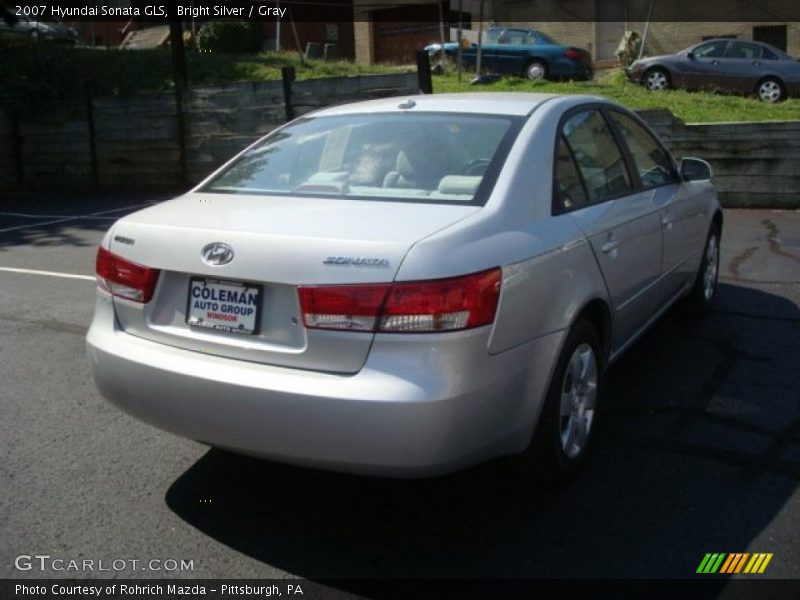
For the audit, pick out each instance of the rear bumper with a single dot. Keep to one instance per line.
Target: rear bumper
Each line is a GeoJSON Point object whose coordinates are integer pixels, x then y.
{"type": "Point", "coordinates": [414, 410]}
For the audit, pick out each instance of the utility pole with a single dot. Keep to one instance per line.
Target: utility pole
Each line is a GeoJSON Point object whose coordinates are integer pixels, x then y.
{"type": "Point", "coordinates": [459, 36]}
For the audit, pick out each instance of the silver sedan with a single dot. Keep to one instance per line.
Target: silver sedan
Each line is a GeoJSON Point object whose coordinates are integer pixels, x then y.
{"type": "Point", "coordinates": [405, 287]}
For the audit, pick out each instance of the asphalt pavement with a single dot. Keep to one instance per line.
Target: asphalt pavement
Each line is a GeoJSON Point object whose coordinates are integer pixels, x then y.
{"type": "Point", "coordinates": [698, 447]}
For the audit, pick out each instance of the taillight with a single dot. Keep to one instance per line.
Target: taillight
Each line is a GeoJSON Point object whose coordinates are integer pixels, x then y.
{"type": "Point", "coordinates": [410, 307]}
{"type": "Point", "coordinates": [573, 53]}
{"type": "Point", "coordinates": [124, 278]}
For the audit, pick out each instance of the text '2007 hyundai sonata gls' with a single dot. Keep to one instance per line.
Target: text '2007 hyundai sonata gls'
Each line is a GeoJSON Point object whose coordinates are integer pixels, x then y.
{"type": "Point", "coordinates": [405, 287]}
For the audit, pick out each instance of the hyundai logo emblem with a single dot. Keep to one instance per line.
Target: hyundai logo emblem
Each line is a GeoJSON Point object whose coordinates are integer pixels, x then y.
{"type": "Point", "coordinates": [217, 254]}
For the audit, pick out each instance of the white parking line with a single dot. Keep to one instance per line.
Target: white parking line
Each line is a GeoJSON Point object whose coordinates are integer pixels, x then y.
{"type": "Point", "coordinates": [48, 273]}
{"type": "Point", "coordinates": [73, 218]}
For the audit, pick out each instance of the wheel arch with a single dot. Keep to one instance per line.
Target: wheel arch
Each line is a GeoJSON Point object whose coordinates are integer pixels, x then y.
{"type": "Point", "coordinates": [597, 312]}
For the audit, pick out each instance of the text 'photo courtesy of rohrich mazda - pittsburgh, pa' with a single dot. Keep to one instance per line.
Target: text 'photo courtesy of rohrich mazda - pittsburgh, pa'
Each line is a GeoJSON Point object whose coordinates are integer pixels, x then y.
{"type": "Point", "coordinates": [408, 286]}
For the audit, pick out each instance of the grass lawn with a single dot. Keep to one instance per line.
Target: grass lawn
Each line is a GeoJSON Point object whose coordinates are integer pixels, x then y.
{"type": "Point", "coordinates": [691, 107]}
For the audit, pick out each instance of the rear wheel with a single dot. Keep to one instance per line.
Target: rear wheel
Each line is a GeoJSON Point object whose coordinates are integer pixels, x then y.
{"type": "Point", "coordinates": [535, 70]}
{"type": "Point", "coordinates": [657, 80]}
{"type": "Point", "coordinates": [770, 90]}
{"type": "Point", "coordinates": [564, 434]}
{"type": "Point", "coordinates": [704, 290]}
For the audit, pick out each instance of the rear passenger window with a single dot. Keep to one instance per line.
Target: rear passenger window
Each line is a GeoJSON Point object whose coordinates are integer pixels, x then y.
{"type": "Point", "coordinates": [768, 54]}
{"type": "Point", "coordinates": [744, 50]}
{"type": "Point", "coordinates": [569, 188]}
{"type": "Point", "coordinates": [652, 161]}
{"type": "Point", "coordinates": [597, 155]}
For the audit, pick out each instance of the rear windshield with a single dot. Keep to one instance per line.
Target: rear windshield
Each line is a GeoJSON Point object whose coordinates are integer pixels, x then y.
{"type": "Point", "coordinates": [407, 157]}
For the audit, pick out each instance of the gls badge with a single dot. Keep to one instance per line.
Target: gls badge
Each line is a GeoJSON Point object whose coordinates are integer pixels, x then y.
{"type": "Point", "coordinates": [217, 254]}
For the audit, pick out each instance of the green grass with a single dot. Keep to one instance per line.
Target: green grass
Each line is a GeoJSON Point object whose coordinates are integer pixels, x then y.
{"type": "Point", "coordinates": [42, 76]}
{"type": "Point", "coordinates": [691, 107]}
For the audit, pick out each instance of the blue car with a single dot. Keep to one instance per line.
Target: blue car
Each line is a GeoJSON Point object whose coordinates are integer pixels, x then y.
{"type": "Point", "coordinates": [522, 51]}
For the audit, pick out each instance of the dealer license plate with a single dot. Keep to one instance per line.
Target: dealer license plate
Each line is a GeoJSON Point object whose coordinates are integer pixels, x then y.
{"type": "Point", "coordinates": [224, 305]}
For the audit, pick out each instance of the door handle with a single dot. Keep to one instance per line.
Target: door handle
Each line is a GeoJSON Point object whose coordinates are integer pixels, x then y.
{"type": "Point", "coordinates": [756, 63]}
{"type": "Point", "coordinates": [714, 62]}
{"type": "Point", "coordinates": [609, 246]}
{"type": "Point", "coordinates": [666, 220]}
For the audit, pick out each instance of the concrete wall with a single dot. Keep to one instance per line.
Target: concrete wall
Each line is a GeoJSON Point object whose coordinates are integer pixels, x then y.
{"type": "Point", "coordinates": [755, 164]}
{"type": "Point", "coordinates": [136, 139]}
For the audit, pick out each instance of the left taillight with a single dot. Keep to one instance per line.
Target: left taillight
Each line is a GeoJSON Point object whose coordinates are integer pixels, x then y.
{"type": "Point", "coordinates": [125, 278]}
{"type": "Point", "coordinates": [574, 53]}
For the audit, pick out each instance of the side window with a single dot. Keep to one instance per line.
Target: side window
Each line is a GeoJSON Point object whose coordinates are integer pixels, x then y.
{"type": "Point", "coordinates": [515, 37]}
{"type": "Point", "coordinates": [597, 155]}
{"type": "Point", "coordinates": [711, 50]}
{"type": "Point", "coordinates": [768, 54]}
{"type": "Point", "coordinates": [652, 161]}
{"type": "Point", "coordinates": [569, 191]}
{"type": "Point", "coordinates": [744, 50]}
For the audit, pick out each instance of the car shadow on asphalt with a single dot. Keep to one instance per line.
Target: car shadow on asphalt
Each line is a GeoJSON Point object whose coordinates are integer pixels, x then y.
{"type": "Point", "coordinates": [697, 451]}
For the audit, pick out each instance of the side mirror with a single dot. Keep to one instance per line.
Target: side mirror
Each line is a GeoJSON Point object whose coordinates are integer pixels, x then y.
{"type": "Point", "coordinates": [690, 55]}
{"type": "Point", "coordinates": [695, 169]}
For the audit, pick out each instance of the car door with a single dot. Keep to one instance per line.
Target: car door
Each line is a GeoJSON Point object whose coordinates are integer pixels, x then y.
{"type": "Point", "coordinates": [700, 66]}
{"type": "Point", "coordinates": [510, 55]}
{"type": "Point", "coordinates": [621, 222]}
{"type": "Point", "coordinates": [742, 67]}
{"type": "Point", "coordinates": [682, 220]}
{"type": "Point", "coordinates": [489, 48]}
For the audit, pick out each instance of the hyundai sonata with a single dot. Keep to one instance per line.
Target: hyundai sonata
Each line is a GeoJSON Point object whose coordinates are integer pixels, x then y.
{"type": "Point", "coordinates": [405, 287]}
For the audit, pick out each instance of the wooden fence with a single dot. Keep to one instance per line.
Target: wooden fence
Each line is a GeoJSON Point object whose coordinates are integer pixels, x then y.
{"type": "Point", "coordinates": [124, 142]}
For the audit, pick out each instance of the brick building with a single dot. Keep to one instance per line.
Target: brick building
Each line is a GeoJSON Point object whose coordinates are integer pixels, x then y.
{"type": "Point", "coordinates": [394, 33]}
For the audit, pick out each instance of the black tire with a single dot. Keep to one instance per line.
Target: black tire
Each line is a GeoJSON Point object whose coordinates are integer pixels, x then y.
{"type": "Point", "coordinates": [535, 70]}
{"type": "Point", "coordinates": [704, 291]}
{"type": "Point", "coordinates": [771, 90]}
{"type": "Point", "coordinates": [656, 79]}
{"type": "Point", "coordinates": [546, 460]}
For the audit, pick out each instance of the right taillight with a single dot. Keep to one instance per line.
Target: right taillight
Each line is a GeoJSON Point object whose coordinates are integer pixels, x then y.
{"type": "Point", "coordinates": [409, 307]}
{"type": "Point", "coordinates": [124, 278]}
{"type": "Point", "coordinates": [573, 53]}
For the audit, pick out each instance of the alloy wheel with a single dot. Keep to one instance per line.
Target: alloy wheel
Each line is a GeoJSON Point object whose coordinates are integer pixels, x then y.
{"type": "Point", "coordinates": [656, 81]}
{"type": "Point", "coordinates": [578, 400]}
{"type": "Point", "coordinates": [712, 267]}
{"type": "Point", "coordinates": [770, 91]}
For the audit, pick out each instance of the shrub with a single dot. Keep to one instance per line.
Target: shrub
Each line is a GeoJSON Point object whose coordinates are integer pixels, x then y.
{"type": "Point", "coordinates": [230, 36]}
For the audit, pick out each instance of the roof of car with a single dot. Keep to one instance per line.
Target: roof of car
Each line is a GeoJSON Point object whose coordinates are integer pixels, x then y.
{"type": "Point", "coordinates": [488, 103]}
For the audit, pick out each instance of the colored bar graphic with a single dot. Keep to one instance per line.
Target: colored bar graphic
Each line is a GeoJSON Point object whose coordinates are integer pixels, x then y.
{"type": "Point", "coordinates": [741, 562]}
{"type": "Point", "coordinates": [765, 563]}
{"type": "Point", "coordinates": [729, 564]}
{"type": "Point", "coordinates": [703, 563]}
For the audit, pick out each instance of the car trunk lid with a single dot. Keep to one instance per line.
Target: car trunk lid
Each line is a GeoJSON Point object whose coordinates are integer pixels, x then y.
{"type": "Point", "coordinates": [278, 243]}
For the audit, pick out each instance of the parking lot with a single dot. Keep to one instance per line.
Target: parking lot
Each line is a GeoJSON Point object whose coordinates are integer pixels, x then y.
{"type": "Point", "coordinates": [698, 448]}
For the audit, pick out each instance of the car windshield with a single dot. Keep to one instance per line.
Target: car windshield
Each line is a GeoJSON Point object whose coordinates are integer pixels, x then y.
{"type": "Point", "coordinates": [422, 157]}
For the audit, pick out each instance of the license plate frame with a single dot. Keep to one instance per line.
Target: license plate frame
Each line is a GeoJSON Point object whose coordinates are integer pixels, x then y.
{"type": "Point", "coordinates": [217, 324]}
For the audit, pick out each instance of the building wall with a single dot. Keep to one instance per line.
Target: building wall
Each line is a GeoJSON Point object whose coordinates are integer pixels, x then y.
{"type": "Point", "coordinates": [670, 37]}
{"type": "Point", "coordinates": [394, 30]}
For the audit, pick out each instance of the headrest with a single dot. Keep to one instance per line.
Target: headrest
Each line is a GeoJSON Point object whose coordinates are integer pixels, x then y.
{"type": "Point", "coordinates": [459, 184]}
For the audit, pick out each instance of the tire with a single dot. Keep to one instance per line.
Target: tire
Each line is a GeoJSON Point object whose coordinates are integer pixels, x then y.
{"type": "Point", "coordinates": [535, 70]}
{"type": "Point", "coordinates": [559, 447]}
{"type": "Point", "coordinates": [704, 290]}
{"type": "Point", "coordinates": [656, 80]}
{"type": "Point", "coordinates": [770, 90]}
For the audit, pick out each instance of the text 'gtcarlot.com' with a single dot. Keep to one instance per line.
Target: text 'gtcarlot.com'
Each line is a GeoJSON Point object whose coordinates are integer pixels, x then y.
{"type": "Point", "coordinates": [45, 562]}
